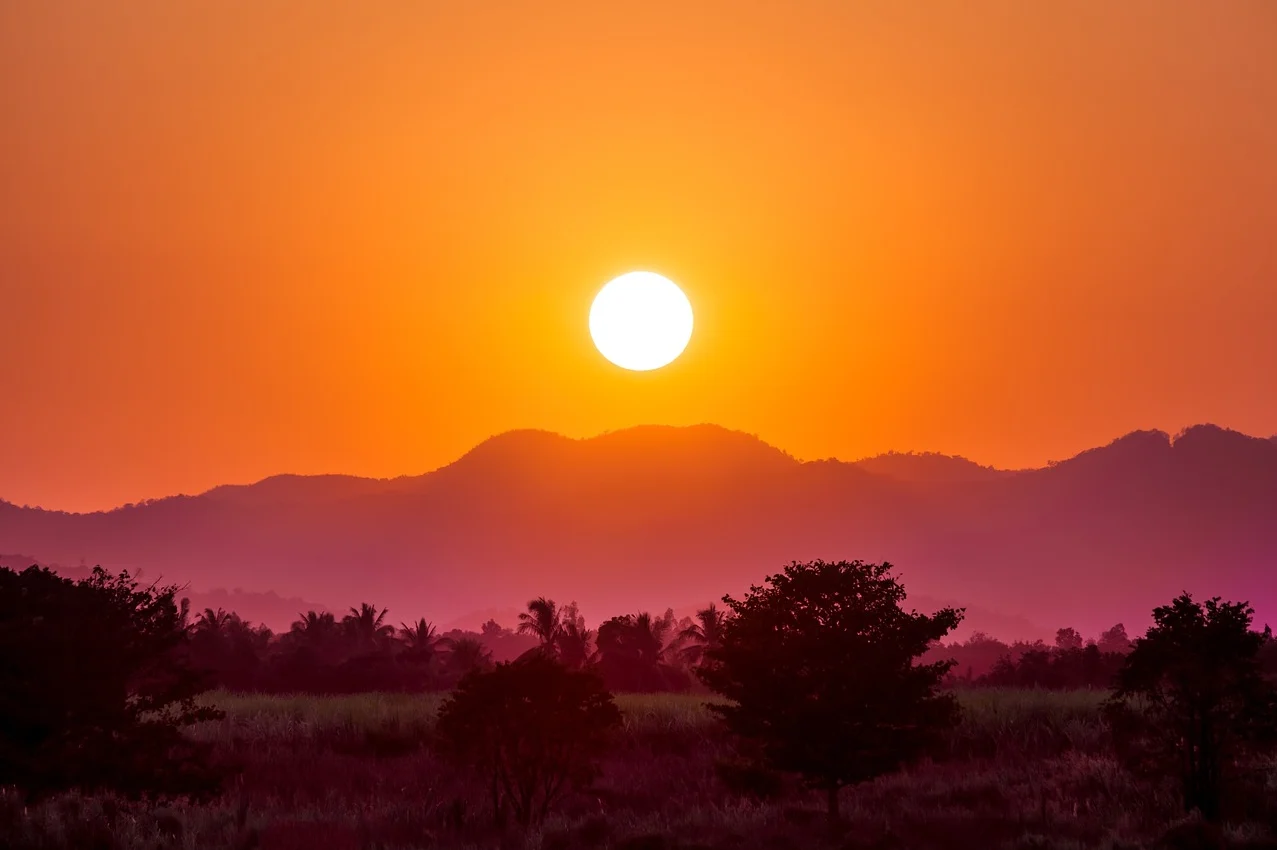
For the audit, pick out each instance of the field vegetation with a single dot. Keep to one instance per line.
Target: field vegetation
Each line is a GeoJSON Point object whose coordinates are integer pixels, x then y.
{"type": "Point", "coordinates": [831, 724]}
{"type": "Point", "coordinates": [1023, 768]}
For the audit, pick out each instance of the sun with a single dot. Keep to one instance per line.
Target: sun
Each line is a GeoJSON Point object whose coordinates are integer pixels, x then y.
{"type": "Point", "coordinates": [641, 321]}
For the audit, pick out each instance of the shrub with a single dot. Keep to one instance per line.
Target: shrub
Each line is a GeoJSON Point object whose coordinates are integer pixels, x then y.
{"type": "Point", "coordinates": [532, 727]}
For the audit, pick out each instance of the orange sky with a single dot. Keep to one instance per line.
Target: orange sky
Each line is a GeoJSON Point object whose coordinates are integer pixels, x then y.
{"type": "Point", "coordinates": [241, 237]}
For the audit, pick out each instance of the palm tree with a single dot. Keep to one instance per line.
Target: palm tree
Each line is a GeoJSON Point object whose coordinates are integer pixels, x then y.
{"type": "Point", "coordinates": [420, 639]}
{"type": "Point", "coordinates": [649, 635]}
{"type": "Point", "coordinates": [468, 654]}
{"type": "Point", "coordinates": [573, 644]}
{"type": "Point", "coordinates": [637, 638]}
{"type": "Point", "coordinates": [705, 634]}
{"type": "Point", "coordinates": [542, 620]}
{"type": "Point", "coordinates": [313, 629]}
{"type": "Point", "coordinates": [367, 626]}
{"type": "Point", "coordinates": [213, 622]}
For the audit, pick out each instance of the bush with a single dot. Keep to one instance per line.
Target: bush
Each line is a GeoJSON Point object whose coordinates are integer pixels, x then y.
{"type": "Point", "coordinates": [532, 727]}
{"type": "Point", "coordinates": [94, 692]}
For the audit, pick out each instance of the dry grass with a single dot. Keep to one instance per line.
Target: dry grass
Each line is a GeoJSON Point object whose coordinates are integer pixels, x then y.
{"type": "Point", "coordinates": [1024, 769]}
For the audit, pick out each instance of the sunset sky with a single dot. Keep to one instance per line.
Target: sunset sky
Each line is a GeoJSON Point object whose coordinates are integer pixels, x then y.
{"type": "Point", "coordinates": [243, 237]}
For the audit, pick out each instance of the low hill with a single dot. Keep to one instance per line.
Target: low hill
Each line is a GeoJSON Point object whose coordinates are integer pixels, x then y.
{"type": "Point", "coordinates": [652, 517]}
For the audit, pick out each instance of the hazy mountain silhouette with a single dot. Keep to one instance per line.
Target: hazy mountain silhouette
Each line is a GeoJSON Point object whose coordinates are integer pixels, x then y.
{"type": "Point", "coordinates": [657, 516]}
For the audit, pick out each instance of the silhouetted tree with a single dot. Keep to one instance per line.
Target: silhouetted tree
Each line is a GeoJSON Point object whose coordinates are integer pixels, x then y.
{"type": "Point", "coordinates": [1191, 694]}
{"type": "Point", "coordinates": [314, 629]}
{"type": "Point", "coordinates": [94, 690]}
{"type": "Point", "coordinates": [705, 634]}
{"type": "Point", "coordinates": [821, 665]}
{"type": "Point", "coordinates": [227, 649]}
{"type": "Point", "coordinates": [1114, 640]}
{"type": "Point", "coordinates": [212, 621]}
{"type": "Point", "coordinates": [367, 627]}
{"type": "Point", "coordinates": [420, 640]}
{"type": "Point", "coordinates": [631, 653]}
{"type": "Point", "coordinates": [1068, 638]}
{"type": "Point", "coordinates": [532, 727]}
{"type": "Point", "coordinates": [573, 645]}
{"type": "Point", "coordinates": [541, 621]}
{"type": "Point", "coordinates": [466, 655]}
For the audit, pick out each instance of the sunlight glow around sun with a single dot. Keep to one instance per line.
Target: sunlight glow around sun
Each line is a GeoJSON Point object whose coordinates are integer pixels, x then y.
{"type": "Point", "coordinates": [641, 321]}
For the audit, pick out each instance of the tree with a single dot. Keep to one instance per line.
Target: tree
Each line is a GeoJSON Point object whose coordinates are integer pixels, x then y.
{"type": "Point", "coordinates": [573, 645]}
{"type": "Point", "coordinates": [1068, 638]}
{"type": "Point", "coordinates": [367, 627]}
{"type": "Point", "coordinates": [315, 633]}
{"type": "Point", "coordinates": [1191, 695]}
{"type": "Point", "coordinates": [703, 635]}
{"type": "Point", "coordinates": [541, 620]}
{"type": "Point", "coordinates": [467, 655]}
{"type": "Point", "coordinates": [573, 642]}
{"type": "Point", "coordinates": [420, 640]}
{"type": "Point", "coordinates": [1114, 640]}
{"type": "Point", "coordinates": [229, 650]}
{"type": "Point", "coordinates": [314, 629]}
{"type": "Point", "coordinates": [212, 621]}
{"type": "Point", "coordinates": [631, 653]}
{"type": "Point", "coordinates": [532, 727]}
{"type": "Point", "coordinates": [820, 664]}
{"type": "Point", "coordinates": [94, 688]}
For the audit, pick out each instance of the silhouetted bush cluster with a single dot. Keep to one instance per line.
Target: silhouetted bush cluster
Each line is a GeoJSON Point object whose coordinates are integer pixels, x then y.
{"type": "Point", "coordinates": [95, 688]}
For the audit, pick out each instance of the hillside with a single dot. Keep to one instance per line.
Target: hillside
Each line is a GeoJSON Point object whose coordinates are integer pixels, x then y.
{"type": "Point", "coordinates": [656, 516]}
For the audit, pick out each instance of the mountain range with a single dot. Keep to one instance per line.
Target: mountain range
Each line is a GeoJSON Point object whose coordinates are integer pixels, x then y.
{"type": "Point", "coordinates": [658, 516]}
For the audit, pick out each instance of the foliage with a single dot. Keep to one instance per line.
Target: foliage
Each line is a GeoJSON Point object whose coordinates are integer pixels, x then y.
{"type": "Point", "coordinates": [632, 654]}
{"type": "Point", "coordinates": [821, 667]}
{"type": "Point", "coordinates": [467, 655]}
{"type": "Point", "coordinates": [1068, 638]}
{"type": "Point", "coordinates": [94, 687]}
{"type": "Point", "coordinates": [1059, 669]}
{"type": "Point", "coordinates": [704, 635]}
{"type": "Point", "coordinates": [532, 727]}
{"type": "Point", "coordinates": [368, 626]}
{"type": "Point", "coordinates": [1191, 698]}
{"type": "Point", "coordinates": [541, 620]}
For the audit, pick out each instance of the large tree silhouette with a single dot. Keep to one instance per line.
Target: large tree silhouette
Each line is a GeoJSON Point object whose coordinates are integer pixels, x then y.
{"type": "Point", "coordinates": [1191, 697]}
{"type": "Point", "coordinates": [821, 666]}
{"type": "Point", "coordinates": [94, 687]}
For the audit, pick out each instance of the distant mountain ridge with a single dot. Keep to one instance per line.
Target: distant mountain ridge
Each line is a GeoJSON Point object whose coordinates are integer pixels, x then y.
{"type": "Point", "coordinates": [656, 516]}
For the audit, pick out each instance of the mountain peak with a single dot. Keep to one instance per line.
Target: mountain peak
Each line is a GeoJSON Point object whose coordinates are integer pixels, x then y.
{"type": "Point", "coordinates": [928, 467]}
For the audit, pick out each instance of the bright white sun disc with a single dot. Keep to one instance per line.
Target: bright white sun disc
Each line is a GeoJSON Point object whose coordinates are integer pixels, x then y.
{"type": "Point", "coordinates": [641, 321]}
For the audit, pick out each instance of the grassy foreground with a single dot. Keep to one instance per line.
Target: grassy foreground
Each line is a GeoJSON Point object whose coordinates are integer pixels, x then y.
{"type": "Point", "coordinates": [1024, 769]}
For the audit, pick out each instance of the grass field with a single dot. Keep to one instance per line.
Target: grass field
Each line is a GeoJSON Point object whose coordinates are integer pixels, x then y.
{"type": "Point", "coordinates": [1024, 769]}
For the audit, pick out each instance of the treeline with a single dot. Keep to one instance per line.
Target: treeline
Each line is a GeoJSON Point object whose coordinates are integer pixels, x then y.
{"type": "Point", "coordinates": [364, 651]}
{"type": "Point", "coordinates": [1072, 662]}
